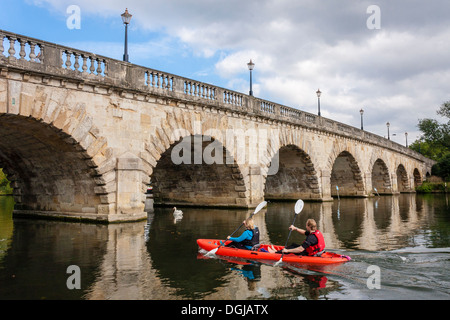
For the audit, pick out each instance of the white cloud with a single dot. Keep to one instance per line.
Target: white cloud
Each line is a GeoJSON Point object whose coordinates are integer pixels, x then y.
{"type": "Point", "coordinates": [398, 74]}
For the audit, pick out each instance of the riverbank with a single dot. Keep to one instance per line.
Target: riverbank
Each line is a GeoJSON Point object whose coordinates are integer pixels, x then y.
{"type": "Point", "coordinates": [433, 187]}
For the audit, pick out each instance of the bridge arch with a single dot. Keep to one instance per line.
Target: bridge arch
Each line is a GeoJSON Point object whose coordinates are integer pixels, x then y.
{"type": "Point", "coordinates": [189, 164]}
{"type": "Point", "coordinates": [197, 171]}
{"type": "Point", "coordinates": [346, 175]}
{"type": "Point", "coordinates": [295, 178]}
{"type": "Point", "coordinates": [402, 179]}
{"type": "Point", "coordinates": [56, 164]}
{"type": "Point", "coordinates": [380, 177]}
{"type": "Point", "coordinates": [417, 178]}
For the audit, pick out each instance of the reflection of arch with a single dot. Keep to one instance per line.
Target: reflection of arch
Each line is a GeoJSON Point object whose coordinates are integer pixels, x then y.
{"type": "Point", "coordinates": [417, 178]}
{"type": "Point", "coordinates": [346, 174]}
{"type": "Point", "coordinates": [296, 177]}
{"type": "Point", "coordinates": [57, 167]}
{"type": "Point", "coordinates": [380, 177]}
{"type": "Point", "coordinates": [196, 180]}
{"type": "Point", "coordinates": [402, 179]}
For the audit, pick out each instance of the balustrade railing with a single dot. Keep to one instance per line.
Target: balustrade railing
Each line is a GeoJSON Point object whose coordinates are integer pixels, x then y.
{"type": "Point", "coordinates": [21, 48]}
{"type": "Point", "coordinates": [84, 62]}
{"type": "Point", "coordinates": [29, 54]}
{"type": "Point", "coordinates": [159, 80]}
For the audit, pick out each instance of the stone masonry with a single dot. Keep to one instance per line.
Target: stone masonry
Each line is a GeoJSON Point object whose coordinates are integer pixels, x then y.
{"type": "Point", "coordinates": [82, 136]}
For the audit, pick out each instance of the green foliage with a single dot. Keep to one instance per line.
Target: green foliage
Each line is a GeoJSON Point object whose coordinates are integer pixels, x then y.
{"type": "Point", "coordinates": [435, 141]}
{"type": "Point", "coordinates": [4, 184]}
{"type": "Point", "coordinates": [442, 168]}
{"type": "Point", "coordinates": [429, 187]}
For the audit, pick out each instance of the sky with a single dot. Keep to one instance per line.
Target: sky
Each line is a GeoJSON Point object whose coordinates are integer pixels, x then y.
{"type": "Point", "coordinates": [389, 58]}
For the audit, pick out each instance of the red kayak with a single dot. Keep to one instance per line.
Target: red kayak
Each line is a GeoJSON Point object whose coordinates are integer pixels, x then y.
{"type": "Point", "coordinates": [262, 254]}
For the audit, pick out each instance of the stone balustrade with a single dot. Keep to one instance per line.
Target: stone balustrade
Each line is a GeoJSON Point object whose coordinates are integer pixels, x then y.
{"type": "Point", "coordinates": [29, 55]}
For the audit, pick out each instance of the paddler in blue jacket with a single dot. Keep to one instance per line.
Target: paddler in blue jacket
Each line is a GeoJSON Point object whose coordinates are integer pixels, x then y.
{"type": "Point", "coordinates": [248, 239]}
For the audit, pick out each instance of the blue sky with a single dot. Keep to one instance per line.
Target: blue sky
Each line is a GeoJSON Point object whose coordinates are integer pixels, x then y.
{"type": "Point", "coordinates": [397, 73]}
{"type": "Point", "coordinates": [102, 35]}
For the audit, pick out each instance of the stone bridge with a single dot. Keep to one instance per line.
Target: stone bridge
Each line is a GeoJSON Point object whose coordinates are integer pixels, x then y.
{"type": "Point", "coordinates": [82, 136]}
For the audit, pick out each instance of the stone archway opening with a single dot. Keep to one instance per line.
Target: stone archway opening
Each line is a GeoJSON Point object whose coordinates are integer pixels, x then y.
{"type": "Point", "coordinates": [402, 179]}
{"type": "Point", "coordinates": [346, 175]}
{"type": "Point", "coordinates": [47, 168]}
{"type": "Point", "coordinates": [198, 171]}
{"type": "Point", "coordinates": [380, 178]}
{"type": "Point", "coordinates": [417, 178]}
{"type": "Point", "coordinates": [296, 177]}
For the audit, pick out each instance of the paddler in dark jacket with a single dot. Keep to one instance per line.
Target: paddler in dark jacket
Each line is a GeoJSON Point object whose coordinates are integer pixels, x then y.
{"type": "Point", "coordinates": [314, 244]}
{"type": "Point", "coordinates": [248, 239]}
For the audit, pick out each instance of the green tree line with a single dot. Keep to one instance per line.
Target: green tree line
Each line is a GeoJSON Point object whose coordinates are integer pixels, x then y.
{"type": "Point", "coordinates": [435, 142]}
{"type": "Point", "coordinates": [5, 188]}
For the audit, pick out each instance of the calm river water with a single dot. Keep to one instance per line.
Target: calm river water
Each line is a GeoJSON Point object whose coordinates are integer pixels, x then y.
{"type": "Point", "coordinates": [407, 237]}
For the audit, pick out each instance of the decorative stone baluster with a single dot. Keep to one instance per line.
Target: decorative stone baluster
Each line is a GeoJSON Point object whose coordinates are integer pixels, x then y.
{"type": "Point", "coordinates": [84, 67]}
{"type": "Point", "coordinates": [76, 64]}
{"type": "Point", "coordinates": [68, 62]}
{"type": "Point", "coordinates": [157, 80]}
{"type": "Point", "coordinates": [32, 52]}
{"type": "Point", "coordinates": [99, 67]}
{"type": "Point", "coordinates": [153, 79]}
{"type": "Point", "coordinates": [105, 68]}
{"type": "Point", "coordinates": [11, 50]}
{"type": "Point", "coordinates": [22, 53]}
{"type": "Point", "coordinates": [92, 68]}
{"type": "Point", "coordinates": [165, 82]}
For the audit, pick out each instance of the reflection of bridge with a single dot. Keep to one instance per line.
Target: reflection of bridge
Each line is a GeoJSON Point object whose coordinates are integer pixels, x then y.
{"type": "Point", "coordinates": [401, 217]}
{"type": "Point", "coordinates": [83, 135]}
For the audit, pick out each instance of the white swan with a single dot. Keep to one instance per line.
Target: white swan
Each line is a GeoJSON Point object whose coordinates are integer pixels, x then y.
{"type": "Point", "coordinates": [177, 214]}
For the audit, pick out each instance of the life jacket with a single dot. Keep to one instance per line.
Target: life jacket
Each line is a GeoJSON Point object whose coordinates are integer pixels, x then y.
{"type": "Point", "coordinates": [255, 239]}
{"type": "Point", "coordinates": [319, 247]}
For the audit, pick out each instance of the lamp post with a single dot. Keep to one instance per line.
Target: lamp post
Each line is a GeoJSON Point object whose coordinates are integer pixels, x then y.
{"type": "Point", "coordinates": [251, 66]}
{"type": "Point", "coordinates": [388, 125]}
{"type": "Point", "coordinates": [126, 18]}
{"type": "Point", "coordinates": [406, 136]}
{"type": "Point", "coordinates": [318, 99]}
{"type": "Point", "coordinates": [362, 123]}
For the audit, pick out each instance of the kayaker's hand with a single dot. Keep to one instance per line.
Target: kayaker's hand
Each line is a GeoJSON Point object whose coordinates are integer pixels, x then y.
{"type": "Point", "coordinates": [292, 228]}
{"type": "Point", "coordinates": [228, 238]}
{"type": "Point", "coordinates": [285, 251]}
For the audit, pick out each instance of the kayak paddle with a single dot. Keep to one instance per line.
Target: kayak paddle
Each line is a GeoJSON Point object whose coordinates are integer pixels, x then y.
{"type": "Point", "coordinates": [258, 209]}
{"type": "Point", "coordinates": [298, 208]}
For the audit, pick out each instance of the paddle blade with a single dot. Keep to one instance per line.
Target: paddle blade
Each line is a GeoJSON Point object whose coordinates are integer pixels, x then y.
{"type": "Point", "coordinates": [212, 253]}
{"type": "Point", "coordinates": [260, 207]}
{"type": "Point", "coordinates": [299, 206]}
{"type": "Point", "coordinates": [278, 262]}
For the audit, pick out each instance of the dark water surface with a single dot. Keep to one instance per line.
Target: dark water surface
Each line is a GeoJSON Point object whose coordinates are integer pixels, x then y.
{"type": "Point", "coordinates": [406, 237]}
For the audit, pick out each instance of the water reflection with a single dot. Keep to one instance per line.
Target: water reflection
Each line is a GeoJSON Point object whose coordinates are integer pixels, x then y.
{"type": "Point", "coordinates": [158, 259]}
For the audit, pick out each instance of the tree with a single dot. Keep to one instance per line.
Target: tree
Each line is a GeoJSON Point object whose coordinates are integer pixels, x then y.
{"type": "Point", "coordinates": [442, 168]}
{"type": "Point", "coordinates": [435, 141]}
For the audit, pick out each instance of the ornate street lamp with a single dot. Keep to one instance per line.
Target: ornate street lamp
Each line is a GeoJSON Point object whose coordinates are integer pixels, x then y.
{"type": "Point", "coordinates": [126, 18]}
{"type": "Point", "coordinates": [251, 66]}
{"type": "Point", "coordinates": [318, 99]}
{"type": "Point", "coordinates": [388, 125]}
{"type": "Point", "coordinates": [362, 123]}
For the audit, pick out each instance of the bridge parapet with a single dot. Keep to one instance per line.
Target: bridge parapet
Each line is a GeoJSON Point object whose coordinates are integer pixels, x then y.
{"type": "Point", "coordinates": [54, 61]}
